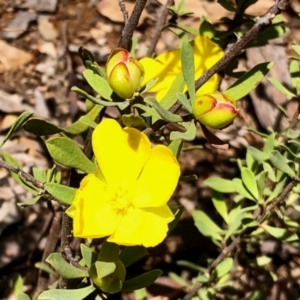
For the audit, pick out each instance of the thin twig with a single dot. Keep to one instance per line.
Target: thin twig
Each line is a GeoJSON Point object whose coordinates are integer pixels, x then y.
{"type": "Point", "coordinates": [262, 23]}
{"type": "Point", "coordinates": [132, 23]}
{"type": "Point", "coordinates": [124, 11]}
{"type": "Point", "coordinates": [161, 20]}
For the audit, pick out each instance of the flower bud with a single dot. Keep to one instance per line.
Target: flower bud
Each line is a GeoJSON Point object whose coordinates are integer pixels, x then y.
{"type": "Point", "coordinates": [125, 74]}
{"type": "Point", "coordinates": [215, 110]}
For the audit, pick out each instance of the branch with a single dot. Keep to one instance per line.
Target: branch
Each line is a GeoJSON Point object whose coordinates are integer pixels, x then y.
{"type": "Point", "coordinates": [131, 24]}
{"type": "Point", "coordinates": [161, 20]}
{"type": "Point", "coordinates": [124, 11]}
{"type": "Point", "coordinates": [236, 242]}
{"type": "Point", "coordinates": [29, 178]}
{"type": "Point", "coordinates": [262, 23]}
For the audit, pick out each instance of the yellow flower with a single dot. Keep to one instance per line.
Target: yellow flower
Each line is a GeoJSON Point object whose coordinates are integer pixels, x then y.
{"type": "Point", "coordinates": [127, 199]}
{"type": "Point", "coordinates": [167, 66]}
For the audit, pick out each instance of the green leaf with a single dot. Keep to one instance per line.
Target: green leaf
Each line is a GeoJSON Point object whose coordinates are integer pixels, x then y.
{"type": "Point", "coordinates": [77, 294]}
{"type": "Point", "coordinates": [220, 184]}
{"type": "Point", "coordinates": [281, 233]}
{"type": "Point", "coordinates": [109, 252]}
{"type": "Point", "coordinates": [141, 281]}
{"type": "Point", "coordinates": [149, 111]}
{"type": "Point", "coordinates": [220, 205]}
{"type": "Point", "coordinates": [65, 269]}
{"type": "Point", "coordinates": [98, 84]}
{"type": "Point", "coordinates": [17, 124]}
{"type": "Point", "coordinates": [148, 85]}
{"type": "Point", "coordinates": [17, 177]}
{"type": "Point", "coordinates": [30, 202]}
{"type": "Point", "coordinates": [132, 254]}
{"type": "Point", "coordinates": [46, 268]}
{"type": "Point", "coordinates": [270, 143]}
{"type": "Point", "coordinates": [228, 6]}
{"type": "Point", "coordinates": [140, 294]}
{"type": "Point", "coordinates": [165, 114]}
{"type": "Point", "coordinates": [292, 134]}
{"type": "Point", "coordinates": [263, 260]}
{"type": "Point", "coordinates": [176, 146]}
{"type": "Point", "coordinates": [250, 161]}
{"type": "Point", "coordinates": [281, 88]}
{"type": "Point", "coordinates": [17, 284]}
{"type": "Point", "coordinates": [104, 268]}
{"type": "Point", "coordinates": [249, 81]}
{"type": "Point", "coordinates": [23, 296]}
{"type": "Point", "coordinates": [296, 48]}
{"type": "Point", "coordinates": [295, 76]}
{"type": "Point", "coordinates": [88, 122]}
{"type": "Point", "coordinates": [67, 153]}
{"type": "Point", "coordinates": [262, 183]}
{"type": "Point", "coordinates": [184, 102]}
{"type": "Point", "coordinates": [206, 226]}
{"type": "Point", "coordinates": [80, 126]}
{"type": "Point", "coordinates": [277, 190]}
{"type": "Point", "coordinates": [132, 120]}
{"type": "Point", "coordinates": [281, 163]}
{"type": "Point", "coordinates": [188, 135]}
{"type": "Point", "coordinates": [249, 181]}
{"type": "Point", "coordinates": [178, 279]}
{"type": "Point", "coordinates": [40, 127]}
{"type": "Point", "coordinates": [188, 67]}
{"type": "Point", "coordinates": [270, 170]}
{"type": "Point", "coordinates": [177, 87]}
{"type": "Point", "coordinates": [121, 105]}
{"type": "Point", "coordinates": [257, 154]}
{"type": "Point", "coordinates": [88, 255]}
{"type": "Point", "coordinates": [61, 192]}
{"type": "Point", "coordinates": [241, 189]}
{"type": "Point", "coordinates": [224, 267]}
{"type": "Point", "coordinates": [177, 212]}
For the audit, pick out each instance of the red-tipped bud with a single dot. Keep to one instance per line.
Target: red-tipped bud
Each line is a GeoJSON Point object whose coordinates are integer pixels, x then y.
{"type": "Point", "coordinates": [125, 74]}
{"type": "Point", "coordinates": [215, 110]}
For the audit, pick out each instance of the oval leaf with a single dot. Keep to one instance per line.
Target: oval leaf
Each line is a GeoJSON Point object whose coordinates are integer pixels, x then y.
{"type": "Point", "coordinates": [281, 163]}
{"type": "Point", "coordinates": [88, 255]}
{"type": "Point", "coordinates": [219, 184]}
{"type": "Point", "coordinates": [40, 127]}
{"type": "Point", "coordinates": [61, 192]}
{"type": "Point", "coordinates": [224, 267]}
{"type": "Point", "coordinates": [240, 189]}
{"type": "Point", "coordinates": [98, 84]}
{"type": "Point", "coordinates": [64, 269]}
{"type": "Point", "coordinates": [132, 254]}
{"type": "Point", "coordinates": [164, 113]}
{"type": "Point", "coordinates": [250, 182]}
{"type": "Point", "coordinates": [249, 81]}
{"type": "Point", "coordinates": [281, 233]}
{"type": "Point", "coordinates": [17, 124]}
{"type": "Point", "coordinates": [141, 281]}
{"type": "Point", "coordinates": [66, 152]}
{"type": "Point", "coordinates": [77, 294]}
{"type": "Point", "coordinates": [220, 205]}
{"type": "Point", "coordinates": [188, 135]}
{"type": "Point", "coordinates": [188, 67]}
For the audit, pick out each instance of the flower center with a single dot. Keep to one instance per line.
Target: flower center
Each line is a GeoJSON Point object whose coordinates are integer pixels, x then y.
{"type": "Point", "coordinates": [121, 200]}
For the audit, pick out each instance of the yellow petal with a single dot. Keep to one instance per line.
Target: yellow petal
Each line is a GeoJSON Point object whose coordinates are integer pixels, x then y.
{"type": "Point", "coordinates": [206, 54]}
{"type": "Point", "coordinates": [93, 216]}
{"type": "Point", "coordinates": [149, 228]}
{"type": "Point", "coordinates": [152, 69]}
{"type": "Point", "coordinates": [158, 179]}
{"type": "Point", "coordinates": [120, 153]}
